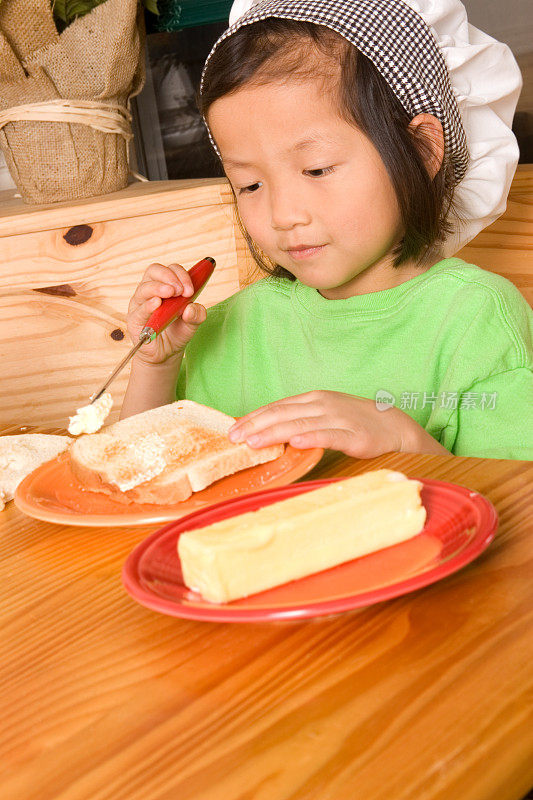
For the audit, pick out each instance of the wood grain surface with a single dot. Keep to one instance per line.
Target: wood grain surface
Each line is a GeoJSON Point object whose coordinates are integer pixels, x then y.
{"type": "Point", "coordinates": [506, 246]}
{"type": "Point", "coordinates": [425, 697]}
{"type": "Point", "coordinates": [64, 295]}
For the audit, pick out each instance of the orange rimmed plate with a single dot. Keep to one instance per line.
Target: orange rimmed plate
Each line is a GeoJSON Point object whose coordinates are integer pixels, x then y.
{"type": "Point", "coordinates": [52, 493]}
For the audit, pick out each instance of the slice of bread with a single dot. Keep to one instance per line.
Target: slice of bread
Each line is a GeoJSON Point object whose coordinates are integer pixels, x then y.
{"type": "Point", "coordinates": [21, 454]}
{"type": "Point", "coordinates": [163, 455]}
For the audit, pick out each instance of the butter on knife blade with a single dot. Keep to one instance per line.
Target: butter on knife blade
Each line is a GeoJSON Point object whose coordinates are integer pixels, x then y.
{"type": "Point", "coordinates": [90, 418]}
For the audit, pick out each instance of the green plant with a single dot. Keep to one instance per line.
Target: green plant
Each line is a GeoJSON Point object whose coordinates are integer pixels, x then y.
{"type": "Point", "coordinates": [66, 11]}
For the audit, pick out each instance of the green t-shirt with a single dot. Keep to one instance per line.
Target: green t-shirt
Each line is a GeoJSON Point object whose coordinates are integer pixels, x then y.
{"type": "Point", "coordinates": [451, 347]}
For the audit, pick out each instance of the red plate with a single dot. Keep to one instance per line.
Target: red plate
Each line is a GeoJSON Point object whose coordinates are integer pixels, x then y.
{"type": "Point", "coordinates": [460, 524]}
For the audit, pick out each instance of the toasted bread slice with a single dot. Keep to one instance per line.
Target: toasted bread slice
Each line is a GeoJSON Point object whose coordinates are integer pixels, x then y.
{"type": "Point", "coordinates": [163, 455]}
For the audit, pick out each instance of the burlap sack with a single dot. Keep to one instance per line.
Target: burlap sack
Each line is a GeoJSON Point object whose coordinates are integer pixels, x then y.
{"type": "Point", "coordinates": [98, 58]}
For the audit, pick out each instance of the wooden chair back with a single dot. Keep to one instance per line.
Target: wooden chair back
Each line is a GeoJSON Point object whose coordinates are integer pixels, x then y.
{"type": "Point", "coordinates": [68, 270]}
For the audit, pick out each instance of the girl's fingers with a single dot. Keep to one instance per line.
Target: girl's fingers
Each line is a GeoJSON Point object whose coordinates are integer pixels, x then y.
{"type": "Point", "coordinates": [170, 273]}
{"type": "Point", "coordinates": [283, 431]}
{"type": "Point", "coordinates": [158, 284]}
{"type": "Point", "coordinates": [327, 438]}
{"type": "Point", "coordinates": [145, 291]}
{"type": "Point", "coordinates": [184, 278]}
{"type": "Point", "coordinates": [151, 290]}
{"type": "Point", "coordinates": [194, 314]}
{"type": "Point", "coordinates": [354, 443]}
{"type": "Point", "coordinates": [140, 314]}
{"type": "Point", "coordinates": [173, 275]}
{"type": "Point", "coordinates": [161, 281]}
{"type": "Point", "coordinates": [273, 414]}
{"type": "Point", "coordinates": [285, 407]}
{"type": "Point", "coordinates": [342, 439]}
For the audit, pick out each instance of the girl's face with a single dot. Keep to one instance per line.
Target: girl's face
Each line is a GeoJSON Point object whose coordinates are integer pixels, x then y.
{"type": "Point", "coordinates": [311, 189]}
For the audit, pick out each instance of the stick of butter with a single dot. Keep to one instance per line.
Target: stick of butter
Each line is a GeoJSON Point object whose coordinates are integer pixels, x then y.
{"type": "Point", "coordinates": [302, 535]}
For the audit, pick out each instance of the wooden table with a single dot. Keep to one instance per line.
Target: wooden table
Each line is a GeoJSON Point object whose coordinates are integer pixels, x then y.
{"type": "Point", "coordinates": [425, 696]}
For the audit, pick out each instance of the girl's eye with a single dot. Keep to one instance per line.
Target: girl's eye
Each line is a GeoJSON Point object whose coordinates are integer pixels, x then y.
{"type": "Point", "coordinates": [249, 189]}
{"type": "Point", "coordinates": [318, 173]}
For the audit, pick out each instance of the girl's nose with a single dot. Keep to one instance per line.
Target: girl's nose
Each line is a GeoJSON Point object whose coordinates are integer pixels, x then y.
{"type": "Point", "coordinates": [288, 209]}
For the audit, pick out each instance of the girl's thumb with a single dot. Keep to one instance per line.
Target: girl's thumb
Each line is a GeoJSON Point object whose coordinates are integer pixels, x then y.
{"type": "Point", "coordinates": [194, 314]}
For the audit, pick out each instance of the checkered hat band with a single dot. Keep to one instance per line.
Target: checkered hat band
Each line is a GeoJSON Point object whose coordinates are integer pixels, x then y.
{"type": "Point", "coordinates": [400, 45]}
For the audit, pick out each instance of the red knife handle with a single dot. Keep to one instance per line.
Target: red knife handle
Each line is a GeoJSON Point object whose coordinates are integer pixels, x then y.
{"type": "Point", "coordinates": [173, 307]}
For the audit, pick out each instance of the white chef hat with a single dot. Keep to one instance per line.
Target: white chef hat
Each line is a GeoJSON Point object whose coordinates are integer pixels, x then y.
{"type": "Point", "coordinates": [470, 81]}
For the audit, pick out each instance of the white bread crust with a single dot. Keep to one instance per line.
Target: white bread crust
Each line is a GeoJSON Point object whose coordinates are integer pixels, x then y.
{"type": "Point", "coordinates": [20, 454]}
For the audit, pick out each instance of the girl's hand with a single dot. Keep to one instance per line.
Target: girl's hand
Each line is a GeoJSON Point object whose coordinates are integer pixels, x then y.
{"type": "Point", "coordinates": [337, 421]}
{"type": "Point", "coordinates": [159, 282]}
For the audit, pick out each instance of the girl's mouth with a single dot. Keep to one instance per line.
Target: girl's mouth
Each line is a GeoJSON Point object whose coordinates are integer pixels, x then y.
{"type": "Point", "coordinates": [305, 251]}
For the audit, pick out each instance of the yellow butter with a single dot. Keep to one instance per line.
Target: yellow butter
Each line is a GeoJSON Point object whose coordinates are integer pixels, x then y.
{"type": "Point", "coordinates": [296, 537]}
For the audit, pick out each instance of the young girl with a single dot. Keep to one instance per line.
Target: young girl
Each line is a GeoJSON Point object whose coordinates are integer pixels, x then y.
{"type": "Point", "coordinates": [340, 132]}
